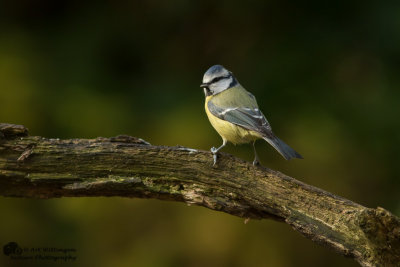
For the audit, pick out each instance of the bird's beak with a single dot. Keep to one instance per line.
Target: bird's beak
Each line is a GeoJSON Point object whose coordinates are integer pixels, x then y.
{"type": "Point", "coordinates": [204, 85]}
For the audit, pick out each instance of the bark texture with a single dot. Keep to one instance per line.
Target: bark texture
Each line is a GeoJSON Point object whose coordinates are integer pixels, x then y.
{"type": "Point", "coordinates": [37, 167]}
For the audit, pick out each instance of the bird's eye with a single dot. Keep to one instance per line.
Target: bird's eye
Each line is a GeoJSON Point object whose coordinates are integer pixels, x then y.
{"type": "Point", "coordinates": [219, 78]}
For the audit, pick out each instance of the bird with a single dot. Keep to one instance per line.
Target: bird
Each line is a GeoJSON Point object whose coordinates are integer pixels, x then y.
{"type": "Point", "coordinates": [235, 115]}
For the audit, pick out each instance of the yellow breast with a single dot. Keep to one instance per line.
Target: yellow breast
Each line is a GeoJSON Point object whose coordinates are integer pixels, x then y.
{"type": "Point", "coordinates": [229, 131]}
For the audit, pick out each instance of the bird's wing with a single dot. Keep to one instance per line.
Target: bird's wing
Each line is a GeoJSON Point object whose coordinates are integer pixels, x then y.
{"type": "Point", "coordinates": [250, 118]}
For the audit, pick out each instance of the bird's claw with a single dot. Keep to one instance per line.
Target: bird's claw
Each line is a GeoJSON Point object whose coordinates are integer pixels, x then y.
{"type": "Point", "coordinates": [215, 159]}
{"type": "Point", "coordinates": [256, 163]}
{"type": "Point", "coordinates": [214, 152]}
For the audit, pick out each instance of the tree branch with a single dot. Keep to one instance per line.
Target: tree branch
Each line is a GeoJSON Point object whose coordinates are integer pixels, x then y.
{"type": "Point", "coordinates": [32, 166]}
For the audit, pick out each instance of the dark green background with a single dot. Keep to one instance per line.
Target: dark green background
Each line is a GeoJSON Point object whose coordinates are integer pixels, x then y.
{"type": "Point", "coordinates": [326, 75]}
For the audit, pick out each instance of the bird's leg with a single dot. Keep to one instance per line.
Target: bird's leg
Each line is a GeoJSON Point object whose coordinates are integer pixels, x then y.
{"type": "Point", "coordinates": [214, 151]}
{"type": "Point", "coordinates": [256, 161]}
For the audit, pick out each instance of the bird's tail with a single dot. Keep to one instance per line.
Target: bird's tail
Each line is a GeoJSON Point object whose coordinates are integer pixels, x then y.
{"type": "Point", "coordinates": [286, 151]}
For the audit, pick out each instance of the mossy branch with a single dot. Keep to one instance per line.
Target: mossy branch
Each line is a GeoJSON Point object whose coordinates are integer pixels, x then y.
{"type": "Point", "coordinates": [37, 167]}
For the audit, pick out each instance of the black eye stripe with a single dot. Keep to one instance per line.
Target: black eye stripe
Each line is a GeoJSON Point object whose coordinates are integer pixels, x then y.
{"type": "Point", "coordinates": [216, 79]}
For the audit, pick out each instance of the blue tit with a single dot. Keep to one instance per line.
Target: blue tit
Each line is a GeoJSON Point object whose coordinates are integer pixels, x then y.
{"type": "Point", "coordinates": [235, 115]}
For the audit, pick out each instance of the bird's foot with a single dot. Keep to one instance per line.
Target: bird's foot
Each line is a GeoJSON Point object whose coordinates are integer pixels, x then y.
{"type": "Point", "coordinates": [256, 162]}
{"type": "Point", "coordinates": [214, 152]}
{"type": "Point", "coordinates": [215, 159]}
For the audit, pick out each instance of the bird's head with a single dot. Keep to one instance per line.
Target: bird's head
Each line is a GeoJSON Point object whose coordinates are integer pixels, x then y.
{"type": "Point", "coordinates": [217, 79]}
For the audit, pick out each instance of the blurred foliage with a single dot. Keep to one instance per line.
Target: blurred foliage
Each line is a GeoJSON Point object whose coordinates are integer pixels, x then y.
{"type": "Point", "coordinates": [325, 74]}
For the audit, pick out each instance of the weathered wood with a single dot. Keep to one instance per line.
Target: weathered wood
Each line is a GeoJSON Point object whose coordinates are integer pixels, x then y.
{"type": "Point", "coordinates": [32, 166]}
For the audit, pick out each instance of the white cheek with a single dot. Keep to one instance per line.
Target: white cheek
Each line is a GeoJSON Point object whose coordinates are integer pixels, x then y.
{"type": "Point", "coordinates": [224, 84]}
{"type": "Point", "coordinates": [220, 86]}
